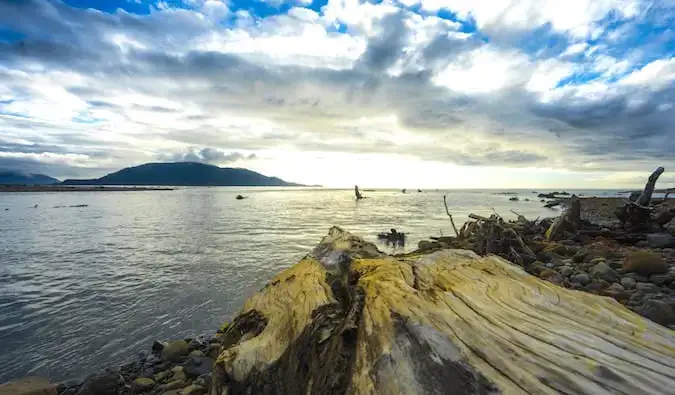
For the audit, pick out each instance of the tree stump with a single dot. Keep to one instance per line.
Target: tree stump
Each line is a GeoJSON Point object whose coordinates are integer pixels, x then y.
{"type": "Point", "coordinates": [348, 319]}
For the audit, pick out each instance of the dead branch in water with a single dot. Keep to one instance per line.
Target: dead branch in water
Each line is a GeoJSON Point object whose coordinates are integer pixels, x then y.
{"type": "Point", "coordinates": [445, 202]}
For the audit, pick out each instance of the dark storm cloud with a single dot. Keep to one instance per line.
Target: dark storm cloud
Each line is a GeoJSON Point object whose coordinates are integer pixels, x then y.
{"type": "Point", "coordinates": [206, 155]}
{"type": "Point", "coordinates": [61, 37]}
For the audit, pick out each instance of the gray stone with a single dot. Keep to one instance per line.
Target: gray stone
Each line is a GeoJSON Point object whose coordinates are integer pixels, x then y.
{"type": "Point", "coordinates": [628, 282]}
{"type": "Point", "coordinates": [581, 278]}
{"type": "Point", "coordinates": [175, 350]}
{"type": "Point", "coordinates": [142, 384]}
{"type": "Point", "coordinates": [198, 366]}
{"type": "Point", "coordinates": [566, 271]}
{"type": "Point", "coordinates": [647, 287]}
{"type": "Point", "coordinates": [602, 271]}
{"type": "Point", "coordinates": [661, 279]}
{"type": "Point", "coordinates": [174, 385]}
{"type": "Point", "coordinates": [660, 240]}
{"type": "Point", "coordinates": [193, 390]}
{"type": "Point", "coordinates": [108, 382]}
{"type": "Point", "coordinates": [659, 311]}
{"type": "Point", "coordinates": [617, 287]}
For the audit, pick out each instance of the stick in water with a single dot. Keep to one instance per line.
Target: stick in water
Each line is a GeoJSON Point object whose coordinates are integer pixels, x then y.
{"type": "Point", "coordinates": [450, 215]}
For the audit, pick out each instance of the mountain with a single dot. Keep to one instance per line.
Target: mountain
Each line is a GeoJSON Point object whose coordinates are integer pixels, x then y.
{"type": "Point", "coordinates": [10, 177]}
{"type": "Point", "coordinates": [183, 174]}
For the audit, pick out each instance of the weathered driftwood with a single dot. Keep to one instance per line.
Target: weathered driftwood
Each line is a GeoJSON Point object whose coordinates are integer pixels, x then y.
{"type": "Point", "coordinates": [636, 214]}
{"type": "Point", "coordinates": [567, 223]}
{"type": "Point", "coordinates": [348, 319]}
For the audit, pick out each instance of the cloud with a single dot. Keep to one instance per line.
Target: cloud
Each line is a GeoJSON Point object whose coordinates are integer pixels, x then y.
{"type": "Point", "coordinates": [530, 84]}
{"type": "Point", "coordinates": [207, 155]}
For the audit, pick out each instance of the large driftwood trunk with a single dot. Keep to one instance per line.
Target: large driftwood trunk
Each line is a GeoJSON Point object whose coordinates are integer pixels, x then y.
{"type": "Point", "coordinates": [349, 319]}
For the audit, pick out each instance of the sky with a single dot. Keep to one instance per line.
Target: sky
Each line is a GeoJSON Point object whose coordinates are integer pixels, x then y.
{"type": "Point", "coordinates": [407, 93]}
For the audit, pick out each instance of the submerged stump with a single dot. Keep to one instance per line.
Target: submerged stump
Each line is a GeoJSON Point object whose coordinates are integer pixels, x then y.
{"type": "Point", "coordinates": [350, 319]}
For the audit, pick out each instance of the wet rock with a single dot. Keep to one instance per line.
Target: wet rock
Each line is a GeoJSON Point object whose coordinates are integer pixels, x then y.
{"type": "Point", "coordinates": [604, 272]}
{"type": "Point", "coordinates": [106, 383]}
{"type": "Point", "coordinates": [28, 386]}
{"type": "Point", "coordinates": [659, 311]}
{"type": "Point", "coordinates": [594, 287]}
{"type": "Point", "coordinates": [552, 276]}
{"type": "Point", "coordinates": [579, 256]}
{"type": "Point", "coordinates": [174, 385]}
{"type": "Point", "coordinates": [661, 279]}
{"type": "Point", "coordinates": [175, 350]}
{"type": "Point", "coordinates": [196, 353]}
{"type": "Point", "coordinates": [161, 376]}
{"type": "Point", "coordinates": [142, 384]}
{"type": "Point", "coordinates": [581, 278]}
{"type": "Point", "coordinates": [158, 346]}
{"type": "Point", "coordinates": [179, 374]}
{"type": "Point", "coordinates": [647, 288]}
{"type": "Point", "coordinates": [193, 390]}
{"type": "Point", "coordinates": [617, 287]}
{"type": "Point", "coordinates": [645, 263]}
{"type": "Point", "coordinates": [566, 271]}
{"type": "Point", "coordinates": [660, 240]}
{"type": "Point", "coordinates": [204, 380]}
{"type": "Point", "coordinates": [214, 350]}
{"type": "Point", "coordinates": [198, 366]}
{"type": "Point", "coordinates": [628, 282]}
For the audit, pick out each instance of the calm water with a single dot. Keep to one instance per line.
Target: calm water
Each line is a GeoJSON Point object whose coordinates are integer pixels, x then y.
{"type": "Point", "coordinates": [85, 288]}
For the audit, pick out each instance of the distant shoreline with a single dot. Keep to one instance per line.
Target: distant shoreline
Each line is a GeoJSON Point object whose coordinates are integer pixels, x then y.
{"type": "Point", "coordinates": [62, 188]}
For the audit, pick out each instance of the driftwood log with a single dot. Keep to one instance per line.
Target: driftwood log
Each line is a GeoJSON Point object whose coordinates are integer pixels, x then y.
{"type": "Point", "coordinates": [349, 319]}
{"type": "Point", "coordinates": [567, 223]}
{"type": "Point", "coordinates": [637, 213]}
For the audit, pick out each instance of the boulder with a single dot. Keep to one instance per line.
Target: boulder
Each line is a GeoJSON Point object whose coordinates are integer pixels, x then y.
{"type": "Point", "coordinates": [350, 319]}
{"type": "Point", "coordinates": [28, 386]}
{"type": "Point", "coordinates": [645, 263]}
{"type": "Point", "coordinates": [175, 350]}
{"type": "Point", "coordinates": [604, 272]}
{"type": "Point", "coordinates": [660, 240]}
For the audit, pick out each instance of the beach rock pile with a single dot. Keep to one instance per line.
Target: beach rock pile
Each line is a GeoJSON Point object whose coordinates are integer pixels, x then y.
{"type": "Point", "coordinates": [178, 367]}
{"type": "Point", "coordinates": [641, 279]}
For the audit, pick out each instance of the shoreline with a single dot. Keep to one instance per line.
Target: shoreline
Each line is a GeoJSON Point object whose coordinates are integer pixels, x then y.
{"type": "Point", "coordinates": [595, 265]}
{"type": "Point", "coordinates": [64, 188]}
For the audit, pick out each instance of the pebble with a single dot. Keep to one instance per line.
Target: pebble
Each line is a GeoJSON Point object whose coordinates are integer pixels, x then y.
{"type": "Point", "coordinates": [647, 287]}
{"type": "Point", "coordinates": [193, 390]}
{"type": "Point", "coordinates": [628, 282]}
{"type": "Point", "coordinates": [602, 271]}
{"type": "Point", "coordinates": [142, 384]}
{"type": "Point", "coordinates": [196, 353]}
{"type": "Point", "coordinates": [581, 278]}
{"type": "Point", "coordinates": [161, 376]}
{"type": "Point", "coordinates": [617, 287]}
{"type": "Point", "coordinates": [174, 385]}
{"type": "Point", "coordinates": [566, 271]}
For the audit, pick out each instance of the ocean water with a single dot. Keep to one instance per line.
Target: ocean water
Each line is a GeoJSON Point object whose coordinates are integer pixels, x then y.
{"type": "Point", "coordinates": [84, 288]}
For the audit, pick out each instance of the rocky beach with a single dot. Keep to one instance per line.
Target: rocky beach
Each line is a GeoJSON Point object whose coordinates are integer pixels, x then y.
{"type": "Point", "coordinates": [637, 270]}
